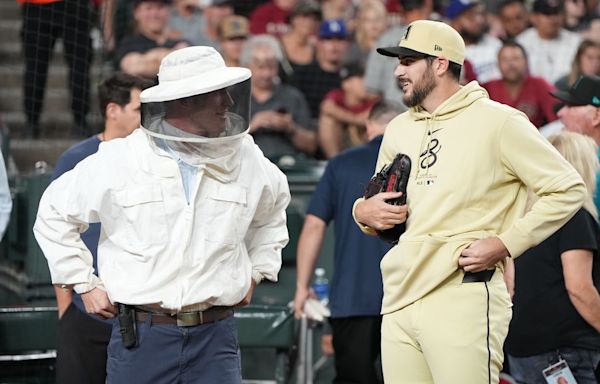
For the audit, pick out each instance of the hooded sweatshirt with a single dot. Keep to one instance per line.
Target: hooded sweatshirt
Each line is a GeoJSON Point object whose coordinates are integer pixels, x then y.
{"type": "Point", "coordinates": [473, 161]}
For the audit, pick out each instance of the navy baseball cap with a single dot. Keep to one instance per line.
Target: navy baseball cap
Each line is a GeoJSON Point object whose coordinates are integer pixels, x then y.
{"type": "Point", "coordinates": [585, 91]}
{"type": "Point", "coordinates": [457, 7]}
{"type": "Point", "coordinates": [333, 29]}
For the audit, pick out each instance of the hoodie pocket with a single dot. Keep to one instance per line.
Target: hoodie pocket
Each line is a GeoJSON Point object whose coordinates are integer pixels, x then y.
{"type": "Point", "coordinates": [455, 244]}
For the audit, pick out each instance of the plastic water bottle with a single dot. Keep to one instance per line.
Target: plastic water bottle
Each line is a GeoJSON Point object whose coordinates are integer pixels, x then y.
{"type": "Point", "coordinates": [321, 286]}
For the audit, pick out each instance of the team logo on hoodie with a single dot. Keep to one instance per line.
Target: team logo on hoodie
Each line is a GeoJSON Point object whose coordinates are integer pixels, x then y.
{"type": "Point", "coordinates": [429, 156]}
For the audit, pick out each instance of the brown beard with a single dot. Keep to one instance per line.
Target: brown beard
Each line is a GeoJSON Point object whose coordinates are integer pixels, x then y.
{"type": "Point", "coordinates": [421, 89]}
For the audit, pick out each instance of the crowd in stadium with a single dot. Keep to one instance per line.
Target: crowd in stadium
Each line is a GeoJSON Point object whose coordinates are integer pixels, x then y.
{"type": "Point", "coordinates": [326, 79]}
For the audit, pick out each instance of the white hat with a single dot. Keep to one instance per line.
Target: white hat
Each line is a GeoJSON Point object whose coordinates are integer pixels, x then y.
{"type": "Point", "coordinates": [192, 71]}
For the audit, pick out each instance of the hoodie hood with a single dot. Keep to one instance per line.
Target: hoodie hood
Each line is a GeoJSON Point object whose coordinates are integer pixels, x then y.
{"type": "Point", "coordinates": [454, 105]}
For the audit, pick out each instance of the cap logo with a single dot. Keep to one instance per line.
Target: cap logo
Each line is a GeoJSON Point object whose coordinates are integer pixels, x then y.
{"type": "Point", "coordinates": [406, 32]}
{"type": "Point", "coordinates": [437, 48]}
{"type": "Point", "coordinates": [595, 100]}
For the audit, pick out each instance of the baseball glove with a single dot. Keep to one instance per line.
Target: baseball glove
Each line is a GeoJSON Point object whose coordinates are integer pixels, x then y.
{"type": "Point", "coordinates": [392, 178]}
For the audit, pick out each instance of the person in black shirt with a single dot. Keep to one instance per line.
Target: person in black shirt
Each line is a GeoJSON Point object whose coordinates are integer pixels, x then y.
{"type": "Point", "coordinates": [140, 54]}
{"type": "Point", "coordinates": [323, 75]}
{"type": "Point", "coordinates": [556, 302]}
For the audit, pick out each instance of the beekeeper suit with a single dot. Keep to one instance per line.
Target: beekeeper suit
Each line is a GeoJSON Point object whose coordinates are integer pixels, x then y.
{"type": "Point", "coordinates": [192, 215]}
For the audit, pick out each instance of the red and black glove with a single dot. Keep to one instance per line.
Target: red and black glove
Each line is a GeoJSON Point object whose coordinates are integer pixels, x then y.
{"type": "Point", "coordinates": [392, 178]}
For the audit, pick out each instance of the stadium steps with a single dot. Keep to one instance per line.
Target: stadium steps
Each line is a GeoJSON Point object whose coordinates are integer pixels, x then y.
{"type": "Point", "coordinates": [56, 122]}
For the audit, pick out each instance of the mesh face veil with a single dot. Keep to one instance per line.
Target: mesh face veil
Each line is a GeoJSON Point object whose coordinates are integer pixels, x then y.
{"type": "Point", "coordinates": [200, 118]}
{"type": "Point", "coordinates": [197, 99]}
{"type": "Point", "coordinates": [199, 112]}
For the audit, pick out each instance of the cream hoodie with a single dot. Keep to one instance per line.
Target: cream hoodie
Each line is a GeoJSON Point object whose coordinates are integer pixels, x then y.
{"type": "Point", "coordinates": [472, 162]}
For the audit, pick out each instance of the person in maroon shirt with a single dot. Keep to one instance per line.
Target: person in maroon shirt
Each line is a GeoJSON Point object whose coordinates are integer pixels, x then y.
{"type": "Point", "coordinates": [528, 94]}
{"type": "Point", "coordinates": [272, 17]}
{"type": "Point", "coordinates": [344, 113]}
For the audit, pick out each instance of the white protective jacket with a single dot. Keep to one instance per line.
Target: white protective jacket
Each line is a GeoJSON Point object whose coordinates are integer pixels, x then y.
{"type": "Point", "coordinates": [154, 247]}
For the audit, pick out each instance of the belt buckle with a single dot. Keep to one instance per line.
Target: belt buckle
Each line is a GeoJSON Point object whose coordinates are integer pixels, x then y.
{"type": "Point", "coordinates": [189, 319]}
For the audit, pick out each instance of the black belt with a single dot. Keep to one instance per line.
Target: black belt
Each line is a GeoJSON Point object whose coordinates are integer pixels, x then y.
{"type": "Point", "coordinates": [479, 277]}
{"type": "Point", "coordinates": [182, 319]}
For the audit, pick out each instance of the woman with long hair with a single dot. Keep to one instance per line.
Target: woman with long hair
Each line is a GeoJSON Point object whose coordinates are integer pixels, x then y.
{"type": "Point", "coordinates": [556, 312]}
{"type": "Point", "coordinates": [585, 62]}
{"type": "Point", "coordinates": [371, 22]}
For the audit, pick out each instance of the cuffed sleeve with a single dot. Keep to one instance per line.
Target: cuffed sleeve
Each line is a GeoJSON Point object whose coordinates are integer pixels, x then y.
{"type": "Point", "coordinates": [65, 209]}
{"type": "Point", "coordinates": [364, 228]}
{"type": "Point", "coordinates": [268, 234]}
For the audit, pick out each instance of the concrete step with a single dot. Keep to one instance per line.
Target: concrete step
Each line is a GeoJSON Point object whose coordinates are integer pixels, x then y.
{"type": "Point", "coordinates": [11, 51]}
{"type": "Point", "coordinates": [12, 74]}
{"type": "Point", "coordinates": [56, 99]}
{"type": "Point", "coordinates": [10, 10]}
{"type": "Point", "coordinates": [10, 30]}
{"type": "Point", "coordinates": [58, 125]}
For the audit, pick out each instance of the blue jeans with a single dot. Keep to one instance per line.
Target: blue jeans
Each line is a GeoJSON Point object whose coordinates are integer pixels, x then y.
{"type": "Point", "coordinates": [528, 370]}
{"type": "Point", "coordinates": [206, 353]}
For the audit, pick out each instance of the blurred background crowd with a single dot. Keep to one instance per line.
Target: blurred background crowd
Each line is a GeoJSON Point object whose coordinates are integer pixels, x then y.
{"type": "Point", "coordinates": [315, 70]}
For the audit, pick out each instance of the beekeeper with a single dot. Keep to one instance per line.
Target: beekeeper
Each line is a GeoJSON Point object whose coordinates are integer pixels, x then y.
{"type": "Point", "coordinates": [192, 217]}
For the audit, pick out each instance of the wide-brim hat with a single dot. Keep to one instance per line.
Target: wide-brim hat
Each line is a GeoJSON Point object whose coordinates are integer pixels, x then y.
{"type": "Point", "coordinates": [429, 38]}
{"type": "Point", "coordinates": [192, 71]}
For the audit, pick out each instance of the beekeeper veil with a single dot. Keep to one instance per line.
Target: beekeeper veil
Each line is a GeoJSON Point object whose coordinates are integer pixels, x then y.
{"type": "Point", "coordinates": [200, 108]}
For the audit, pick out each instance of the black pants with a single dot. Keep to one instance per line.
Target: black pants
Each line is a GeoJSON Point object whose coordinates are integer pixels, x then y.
{"type": "Point", "coordinates": [43, 24]}
{"type": "Point", "coordinates": [81, 349]}
{"type": "Point", "coordinates": [357, 345]}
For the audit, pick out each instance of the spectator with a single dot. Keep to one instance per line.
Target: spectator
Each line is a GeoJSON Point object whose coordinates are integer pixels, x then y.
{"type": "Point", "coordinates": [586, 62]}
{"type": "Point", "coordinates": [272, 17]}
{"type": "Point", "coordinates": [212, 15]}
{"type": "Point", "coordinates": [43, 23]}
{"type": "Point", "coordinates": [473, 161]}
{"type": "Point", "coordinates": [140, 54]}
{"type": "Point", "coordinates": [320, 77]}
{"type": "Point", "coordinates": [371, 22]}
{"type": "Point", "coordinates": [514, 18]}
{"type": "Point", "coordinates": [468, 18]}
{"type": "Point", "coordinates": [340, 10]}
{"type": "Point", "coordinates": [549, 46]}
{"type": "Point", "coordinates": [581, 112]}
{"type": "Point", "coordinates": [355, 308]}
{"type": "Point", "coordinates": [576, 18]}
{"type": "Point", "coordinates": [556, 306]}
{"type": "Point", "coordinates": [280, 122]}
{"type": "Point", "coordinates": [82, 339]}
{"type": "Point", "coordinates": [185, 22]}
{"type": "Point", "coordinates": [192, 218]}
{"type": "Point", "coordinates": [233, 33]}
{"type": "Point", "coordinates": [379, 71]}
{"type": "Point", "coordinates": [528, 94]}
{"type": "Point", "coordinates": [592, 32]}
{"type": "Point", "coordinates": [299, 42]}
{"type": "Point", "coordinates": [344, 113]}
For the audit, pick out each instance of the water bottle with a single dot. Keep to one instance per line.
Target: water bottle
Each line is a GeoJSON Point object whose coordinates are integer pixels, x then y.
{"type": "Point", "coordinates": [321, 286]}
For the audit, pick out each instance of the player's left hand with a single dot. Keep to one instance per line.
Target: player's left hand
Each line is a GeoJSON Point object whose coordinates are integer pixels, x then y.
{"type": "Point", "coordinates": [482, 254]}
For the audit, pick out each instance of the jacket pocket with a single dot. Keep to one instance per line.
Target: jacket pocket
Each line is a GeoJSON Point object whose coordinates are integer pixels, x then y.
{"type": "Point", "coordinates": [142, 212]}
{"type": "Point", "coordinates": [224, 210]}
